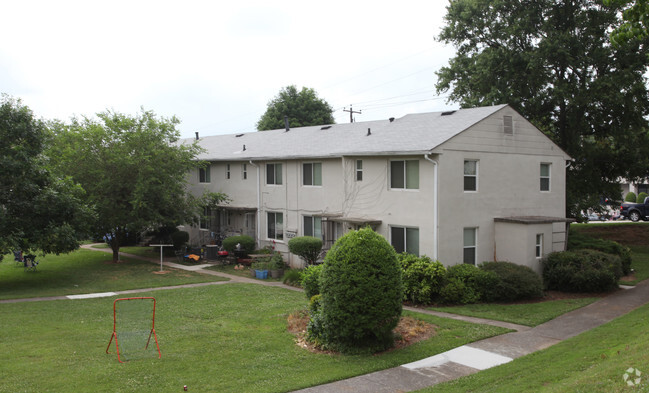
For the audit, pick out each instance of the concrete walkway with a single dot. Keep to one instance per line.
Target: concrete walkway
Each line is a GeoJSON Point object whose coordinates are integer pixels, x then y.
{"type": "Point", "coordinates": [458, 362]}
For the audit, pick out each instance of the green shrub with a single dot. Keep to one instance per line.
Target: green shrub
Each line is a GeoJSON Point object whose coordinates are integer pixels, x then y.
{"type": "Point", "coordinates": [361, 293]}
{"type": "Point", "coordinates": [422, 278]}
{"type": "Point", "coordinates": [311, 280]}
{"type": "Point", "coordinates": [306, 247]}
{"type": "Point", "coordinates": [514, 282]}
{"type": "Point", "coordinates": [579, 241]}
{"type": "Point", "coordinates": [641, 197]}
{"type": "Point", "coordinates": [630, 197]}
{"type": "Point", "coordinates": [581, 271]}
{"type": "Point", "coordinates": [179, 239]}
{"type": "Point", "coordinates": [277, 262]}
{"type": "Point", "coordinates": [293, 277]}
{"type": "Point", "coordinates": [465, 284]}
{"type": "Point", "coordinates": [247, 243]}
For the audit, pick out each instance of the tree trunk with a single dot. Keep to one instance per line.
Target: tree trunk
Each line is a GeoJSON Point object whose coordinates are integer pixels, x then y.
{"type": "Point", "coordinates": [114, 245]}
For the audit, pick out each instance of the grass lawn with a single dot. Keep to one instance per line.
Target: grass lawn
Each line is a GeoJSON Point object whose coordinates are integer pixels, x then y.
{"type": "Point", "coordinates": [528, 314]}
{"type": "Point", "coordinates": [226, 338]}
{"type": "Point", "coordinates": [86, 271]}
{"type": "Point", "coordinates": [594, 361]}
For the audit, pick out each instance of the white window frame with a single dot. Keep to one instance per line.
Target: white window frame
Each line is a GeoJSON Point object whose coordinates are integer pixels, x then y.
{"type": "Point", "coordinates": [359, 170]}
{"type": "Point", "coordinates": [204, 221]}
{"type": "Point", "coordinates": [276, 170]}
{"type": "Point", "coordinates": [475, 176]}
{"type": "Point", "coordinates": [315, 222]}
{"type": "Point", "coordinates": [227, 171]}
{"type": "Point", "coordinates": [204, 174]}
{"type": "Point", "coordinates": [274, 221]}
{"type": "Point", "coordinates": [405, 175]}
{"type": "Point", "coordinates": [473, 246]}
{"type": "Point", "coordinates": [313, 166]}
{"type": "Point", "coordinates": [547, 177]}
{"type": "Point", "coordinates": [405, 238]}
{"type": "Point", "coordinates": [538, 247]}
{"type": "Point", "coordinates": [244, 171]}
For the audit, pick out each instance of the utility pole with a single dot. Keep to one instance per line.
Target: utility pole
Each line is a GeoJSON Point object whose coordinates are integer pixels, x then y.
{"type": "Point", "coordinates": [351, 113]}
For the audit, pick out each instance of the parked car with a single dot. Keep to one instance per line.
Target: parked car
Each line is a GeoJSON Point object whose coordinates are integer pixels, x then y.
{"type": "Point", "coordinates": [635, 211]}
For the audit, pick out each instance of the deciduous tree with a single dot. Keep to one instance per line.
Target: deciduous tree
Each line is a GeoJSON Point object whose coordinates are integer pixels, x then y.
{"type": "Point", "coordinates": [302, 108]}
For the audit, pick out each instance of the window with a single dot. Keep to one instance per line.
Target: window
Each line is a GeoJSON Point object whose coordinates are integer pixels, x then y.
{"type": "Point", "coordinates": [470, 245]}
{"type": "Point", "coordinates": [313, 226]}
{"type": "Point", "coordinates": [227, 171]}
{"type": "Point", "coordinates": [244, 171]}
{"type": "Point", "coordinates": [204, 221]}
{"type": "Point", "coordinates": [545, 177]}
{"type": "Point", "coordinates": [405, 239]}
{"type": "Point", "coordinates": [275, 226]}
{"type": "Point", "coordinates": [274, 174]}
{"type": "Point", "coordinates": [204, 174]}
{"type": "Point", "coordinates": [359, 170]}
{"type": "Point", "coordinates": [539, 246]}
{"type": "Point", "coordinates": [470, 175]}
{"type": "Point", "coordinates": [312, 174]}
{"type": "Point", "coordinates": [404, 174]}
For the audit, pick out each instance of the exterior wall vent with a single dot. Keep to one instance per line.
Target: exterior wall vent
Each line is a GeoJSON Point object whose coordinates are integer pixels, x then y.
{"type": "Point", "coordinates": [508, 125]}
{"type": "Point", "coordinates": [325, 127]}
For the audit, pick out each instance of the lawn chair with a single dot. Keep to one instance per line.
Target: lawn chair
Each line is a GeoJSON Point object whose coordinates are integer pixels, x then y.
{"type": "Point", "coordinates": [30, 262]}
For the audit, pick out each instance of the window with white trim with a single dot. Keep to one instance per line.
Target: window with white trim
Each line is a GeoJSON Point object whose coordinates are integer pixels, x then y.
{"type": "Point", "coordinates": [204, 221]}
{"type": "Point", "coordinates": [359, 170]}
{"type": "Point", "coordinates": [470, 245]}
{"type": "Point", "coordinates": [244, 171]}
{"type": "Point", "coordinates": [204, 174]}
{"type": "Point", "coordinates": [313, 226]}
{"type": "Point", "coordinates": [545, 177]}
{"type": "Point", "coordinates": [404, 174]}
{"type": "Point", "coordinates": [470, 175]}
{"type": "Point", "coordinates": [312, 174]}
{"type": "Point", "coordinates": [405, 239]}
{"type": "Point", "coordinates": [539, 246]}
{"type": "Point", "coordinates": [227, 171]}
{"type": "Point", "coordinates": [275, 225]}
{"type": "Point", "coordinates": [274, 174]}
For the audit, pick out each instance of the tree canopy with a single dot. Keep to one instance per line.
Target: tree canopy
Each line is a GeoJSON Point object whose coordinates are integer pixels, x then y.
{"type": "Point", "coordinates": [636, 20]}
{"type": "Point", "coordinates": [38, 211]}
{"type": "Point", "coordinates": [553, 62]}
{"type": "Point", "coordinates": [303, 108]}
{"type": "Point", "coordinates": [134, 171]}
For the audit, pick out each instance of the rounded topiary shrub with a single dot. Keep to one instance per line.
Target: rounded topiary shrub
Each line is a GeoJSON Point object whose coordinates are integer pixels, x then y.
{"type": "Point", "coordinates": [515, 282]}
{"type": "Point", "coordinates": [247, 243]}
{"type": "Point", "coordinates": [464, 283]}
{"type": "Point", "coordinates": [581, 271]}
{"type": "Point", "coordinates": [422, 278]}
{"type": "Point", "coordinates": [641, 197]}
{"type": "Point", "coordinates": [311, 280]}
{"type": "Point", "coordinates": [306, 247]}
{"type": "Point", "coordinates": [579, 241]}
{"type": "Point", "coordinates": [630, 197]}
{"type": "Point", "coordinates": [179, 239]}
{"type": "Point", "coordinates": [361, 294]}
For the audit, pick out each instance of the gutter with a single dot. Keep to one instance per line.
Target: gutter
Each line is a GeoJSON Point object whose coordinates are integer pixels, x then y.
{"type": "Point", "coordinates": [258, 203]}
{"type": "Point", "coordinates": [435, 206]}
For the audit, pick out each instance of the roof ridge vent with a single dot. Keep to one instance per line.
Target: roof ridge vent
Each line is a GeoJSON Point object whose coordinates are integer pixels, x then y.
{"type": "Point", "coordinates": [325, 127]}
{"type": "Point", "coordinates": [448, 113]}
{"type": "Point", "coordinates": [238, 135]}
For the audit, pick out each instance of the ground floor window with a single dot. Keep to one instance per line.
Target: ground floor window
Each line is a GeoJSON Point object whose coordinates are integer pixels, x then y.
{"type": "Point", "coordinates": [539, 245]}
{"type": "Point", "coordinates": [405, 239]}
{"type": "Point", "coordinates": [275, 228]}
{"type": "Point", "coordinates": [313, 226]}
{"type": "Point", "coordinates": [470, 245]}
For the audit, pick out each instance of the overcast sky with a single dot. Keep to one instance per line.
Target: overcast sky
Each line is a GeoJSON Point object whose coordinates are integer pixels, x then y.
{"type": "Point", "coordinates": [215, 65]}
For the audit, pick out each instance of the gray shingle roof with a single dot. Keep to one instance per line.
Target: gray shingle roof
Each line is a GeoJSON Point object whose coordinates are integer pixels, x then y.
{"type": "Point", "coordinates": [411, 134]}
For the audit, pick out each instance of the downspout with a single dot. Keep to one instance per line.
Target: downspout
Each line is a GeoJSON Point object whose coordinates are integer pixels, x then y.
{"type": "Point", "coordinates": [258, 204]}
{"type": "Point", "coordinates": [435, 207]}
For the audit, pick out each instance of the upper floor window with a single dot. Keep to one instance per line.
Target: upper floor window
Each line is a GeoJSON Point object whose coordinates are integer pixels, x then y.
{"type": "Point", "coordinates": [204, 174]}
{"type": "Point", "coordinates": [405, 239]}
{"type": "Point", "coordinates": [312, 174]}
{"type": "Point", "coordinates": [227, 171]}
{"type": "Point", "coordinates": [359, 170]}
{"type": "Point", "coordinates": [273, 173]}
{"type": "Point", "coordinates": [313, 226]}
{"type": "Point", "coordinates": [470, 245]}
{"type": "Point", "coordinates": [470, 175]}
{"type": "Point", "coordinates": [545, 177]}
{"type": "Point", "coordinates": [244, 171]}
{"type": "Point", "coordinates": [275, 225]}
{"type": "Point", "coordinates": [404, 174]}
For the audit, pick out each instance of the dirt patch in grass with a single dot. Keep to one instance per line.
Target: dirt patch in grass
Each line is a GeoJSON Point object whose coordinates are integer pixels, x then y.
{"type": "Point", "coordinates": [409, 331]}
{"type": "Point", "coordinates": [627, 234]}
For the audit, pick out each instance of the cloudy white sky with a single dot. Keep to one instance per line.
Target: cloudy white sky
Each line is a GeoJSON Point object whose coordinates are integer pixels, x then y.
{"type": "Point", "coordinates": [215, 65]}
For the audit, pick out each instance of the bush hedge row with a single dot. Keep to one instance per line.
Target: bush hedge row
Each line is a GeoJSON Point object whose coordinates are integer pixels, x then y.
{"type": "Point", "coordinates": [581, 271]}
{"type": "Point", "coordinates": [580, 241]}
